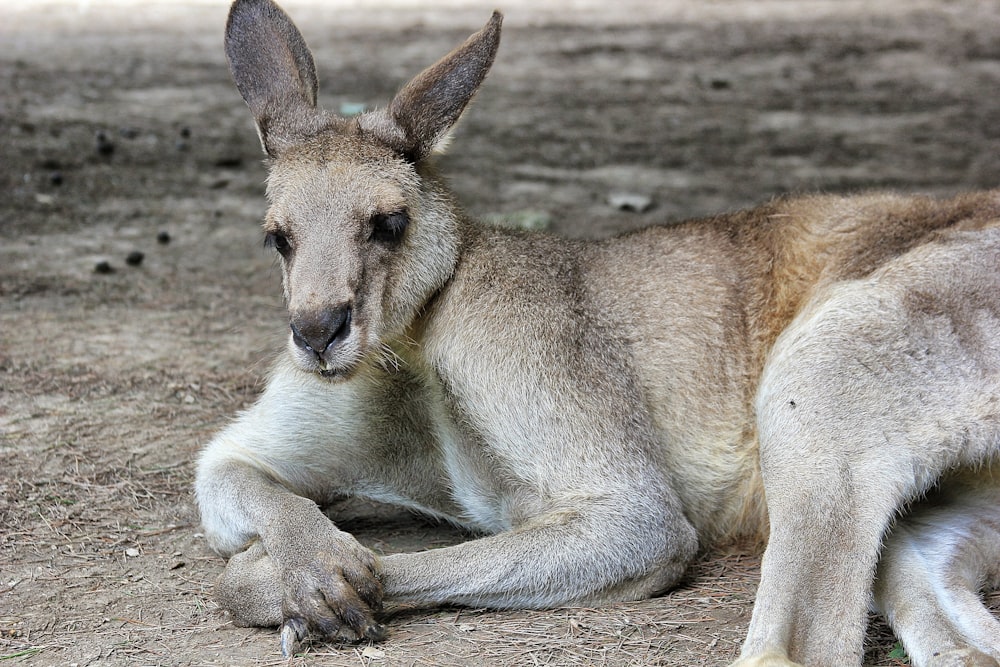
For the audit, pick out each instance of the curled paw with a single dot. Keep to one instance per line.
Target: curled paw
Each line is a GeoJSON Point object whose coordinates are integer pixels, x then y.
{"type": "Point", "coordinates": [333, 597]}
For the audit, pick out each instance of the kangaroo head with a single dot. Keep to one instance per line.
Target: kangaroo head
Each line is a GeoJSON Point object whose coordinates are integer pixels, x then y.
{"type": "Point", "coordinates": [365, 233]}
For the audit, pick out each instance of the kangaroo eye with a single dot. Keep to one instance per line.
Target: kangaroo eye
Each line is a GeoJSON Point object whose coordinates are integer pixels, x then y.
{"type": "Point", "coordinates": [278, 241]}
{"type": "Point", "coordinates": [388, 228]}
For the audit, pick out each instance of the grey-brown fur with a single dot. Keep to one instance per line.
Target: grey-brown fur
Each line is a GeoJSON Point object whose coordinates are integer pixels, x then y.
{"type": "Point", "coordinates": [799, 373]}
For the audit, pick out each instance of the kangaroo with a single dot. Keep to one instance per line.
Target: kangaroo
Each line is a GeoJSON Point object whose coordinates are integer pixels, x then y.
{"type": "Point", "coordinates": [820, 374]}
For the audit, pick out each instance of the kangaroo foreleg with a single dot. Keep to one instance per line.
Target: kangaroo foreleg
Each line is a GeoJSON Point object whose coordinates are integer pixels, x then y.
{"type": "Point", "coordinates": [300, 570]}
{"type": "Point", "coordinates": [549, 562]}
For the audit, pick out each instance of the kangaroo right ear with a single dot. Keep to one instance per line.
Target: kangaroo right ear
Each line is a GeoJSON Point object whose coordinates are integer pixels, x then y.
{"type": "Point", "coordinates": [421, 116]}
{"type": "Point", "coordinates": [274, 72]}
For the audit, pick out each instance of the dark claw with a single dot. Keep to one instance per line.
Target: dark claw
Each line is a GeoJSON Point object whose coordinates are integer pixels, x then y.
{"type": "Point", "coordinates": [293, 631]}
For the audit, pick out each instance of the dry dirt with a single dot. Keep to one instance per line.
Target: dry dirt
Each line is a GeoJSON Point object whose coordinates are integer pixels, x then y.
{"type": "Point", "coordinates": [118, 123]}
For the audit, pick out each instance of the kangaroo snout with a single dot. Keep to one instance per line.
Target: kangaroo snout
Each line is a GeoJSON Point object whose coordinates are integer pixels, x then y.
{"type": "Point", "coordinates": [317, 331]}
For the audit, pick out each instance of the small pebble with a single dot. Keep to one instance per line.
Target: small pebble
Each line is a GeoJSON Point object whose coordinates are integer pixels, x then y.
{"type": "Point", "coordinates": [56, 178]}
{"type": "Point", "coordinates": [229, 162]}
{"type": "Point", "coordinates": [134, 258]}
{"type": "Point", "coordinates": [629, 201]}
{"type": "Point", "coordinates": [163, 237]}
{"type": "Point", "coordinates": [104, 145]}
{"type": "Point", "coordinates": [185, 132]}
{"type": "Point", "coordinates": [104, 267]}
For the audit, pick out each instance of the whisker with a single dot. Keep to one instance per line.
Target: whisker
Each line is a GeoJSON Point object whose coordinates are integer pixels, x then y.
{"type": "Point", "coordinates": [388, 358]}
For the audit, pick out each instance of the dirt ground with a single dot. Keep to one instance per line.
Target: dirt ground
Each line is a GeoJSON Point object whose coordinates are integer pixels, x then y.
{"type": "Point", "coordinates": [121, 133]}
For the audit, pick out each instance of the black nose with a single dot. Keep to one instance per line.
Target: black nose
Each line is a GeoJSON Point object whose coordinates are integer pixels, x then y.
{"type": "Point", "coordinates": [315, 332]}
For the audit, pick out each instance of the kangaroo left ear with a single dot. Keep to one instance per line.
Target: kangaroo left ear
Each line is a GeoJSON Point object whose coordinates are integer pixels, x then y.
{"type": "Point", "coordinates": [420, 117]}
{"type": "Point", "coordinates": [274, 72]}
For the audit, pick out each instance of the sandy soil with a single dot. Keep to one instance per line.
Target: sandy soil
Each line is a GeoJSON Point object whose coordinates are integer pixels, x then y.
{"type": "Point", "coordinates": [120, 133]}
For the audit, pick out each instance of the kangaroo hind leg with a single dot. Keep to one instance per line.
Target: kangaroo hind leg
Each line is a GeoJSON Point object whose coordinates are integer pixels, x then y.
{"type": "Point", "coordinates": [936, 562]}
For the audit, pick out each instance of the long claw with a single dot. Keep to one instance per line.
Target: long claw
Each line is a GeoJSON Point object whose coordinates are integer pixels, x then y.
{"type": "Point", "coordinates": [293, 631]}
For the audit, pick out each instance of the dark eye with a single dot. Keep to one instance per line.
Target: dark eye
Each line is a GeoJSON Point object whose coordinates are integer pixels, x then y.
{"type": "Point", "coordinates": [388, 228]}
{"type": "Point", "coordinates": [278, 241]}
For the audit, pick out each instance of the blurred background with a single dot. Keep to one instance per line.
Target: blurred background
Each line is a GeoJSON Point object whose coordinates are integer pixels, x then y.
{"type": "Point", "coordinates": [138, 310]}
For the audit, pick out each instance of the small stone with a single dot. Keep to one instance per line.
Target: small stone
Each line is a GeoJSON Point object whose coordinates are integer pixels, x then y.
{"type": "Point", "coordinates": [163, 237]}
{"type": "Point", "coordinates": [134, 258]}
{"type": "Point", "coordinates": [629, 201]}
{"type": "Point", "coordinates": [185, 132]}
{"type": "Point", "coordinates": [132, 552]}
{"type": "Point", "coordinates": [229, 162]}
{"type": "Point", "coordinates": [104, 145]}
{"type": "Point", "coordinates": [104, 267]}
{"type": "Point", "coordinates": [56, 178]}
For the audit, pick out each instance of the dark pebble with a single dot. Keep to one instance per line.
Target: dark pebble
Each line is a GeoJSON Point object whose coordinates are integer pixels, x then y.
{"type": "Point", "coordinates": [229, 162]}
{"type": "Point", "coordinates": [51, 164]}
{"type": "Point", "coordinates": [163, 238]}
{"type": "Point", "coordinates": [186, 132]}
{"type": "Point", "coordinates": [56, 178]}
{"type": "Point", "coordinates": [134, 258]}
{"type": "Point", "coordinates": [104, 145]}
{"type": "Point", "coordinates": [719, 84]}
{"type": "Point", "coordinates": [104, 267]}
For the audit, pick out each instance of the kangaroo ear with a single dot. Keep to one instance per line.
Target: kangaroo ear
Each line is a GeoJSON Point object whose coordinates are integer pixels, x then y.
{"type": "Point", "coordinates": [420, 117]}
{"type": "Point", "coordinates": [274, 72]}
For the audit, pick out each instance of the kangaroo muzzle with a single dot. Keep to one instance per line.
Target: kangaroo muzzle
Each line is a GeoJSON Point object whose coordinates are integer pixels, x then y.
{"type": "Point", "coordinates": [317, 332]}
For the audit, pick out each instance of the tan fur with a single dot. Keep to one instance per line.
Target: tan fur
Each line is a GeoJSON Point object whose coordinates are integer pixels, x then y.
{"type": "Point", "coordinates": [800, 373]}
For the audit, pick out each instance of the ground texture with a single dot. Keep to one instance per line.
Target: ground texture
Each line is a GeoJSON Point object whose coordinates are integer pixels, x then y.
{"type": "Point", "coordinates": [120, 133]}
